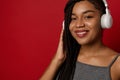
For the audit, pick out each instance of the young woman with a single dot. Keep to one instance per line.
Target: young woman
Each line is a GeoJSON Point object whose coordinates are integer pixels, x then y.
{"type": "Point", "coordinates": [81, 54]}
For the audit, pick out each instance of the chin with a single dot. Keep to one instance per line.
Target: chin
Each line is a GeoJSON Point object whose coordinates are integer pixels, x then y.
{"type": "Point", "coordinates": [85, 42]}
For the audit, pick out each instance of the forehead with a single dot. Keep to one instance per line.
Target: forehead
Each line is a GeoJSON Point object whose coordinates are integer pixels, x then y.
{"type": "Point", "coordinates": [82, 6]}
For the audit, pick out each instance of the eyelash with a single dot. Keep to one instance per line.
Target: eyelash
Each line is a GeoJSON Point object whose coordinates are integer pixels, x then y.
{"type": "Point", "coordinates": [86, 17]}
{"type": "Point", "coordinates": [73, 18]}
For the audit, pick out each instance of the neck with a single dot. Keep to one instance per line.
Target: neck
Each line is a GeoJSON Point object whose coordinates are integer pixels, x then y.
{"type": "Point", "coordinates": [92, 49]}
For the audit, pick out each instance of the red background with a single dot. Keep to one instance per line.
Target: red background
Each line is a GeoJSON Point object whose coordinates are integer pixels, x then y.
{"type": "Point", "coordinates": [29, 34]}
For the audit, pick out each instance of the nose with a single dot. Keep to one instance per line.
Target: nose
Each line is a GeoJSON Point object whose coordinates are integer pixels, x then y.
{"type": "Point", "coordinates": [80, 23]}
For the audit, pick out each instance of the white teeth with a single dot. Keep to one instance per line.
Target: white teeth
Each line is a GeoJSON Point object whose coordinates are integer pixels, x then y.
{"type": "Point", "coordinates": [81, 33]}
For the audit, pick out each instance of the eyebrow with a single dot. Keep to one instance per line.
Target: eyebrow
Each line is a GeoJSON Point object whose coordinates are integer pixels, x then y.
{"type": "Point", "coordinates": [87, 11]}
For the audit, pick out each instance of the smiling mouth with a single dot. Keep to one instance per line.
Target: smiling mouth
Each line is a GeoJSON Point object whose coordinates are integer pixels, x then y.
{"type": "Point", "coordinates": [81, 33]}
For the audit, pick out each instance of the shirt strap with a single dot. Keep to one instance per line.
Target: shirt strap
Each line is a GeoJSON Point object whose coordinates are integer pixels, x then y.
{"type": "Point", "coordinates": [114, 60]}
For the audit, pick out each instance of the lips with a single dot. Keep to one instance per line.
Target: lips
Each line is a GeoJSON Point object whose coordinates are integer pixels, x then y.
{"type": "Point", "coordinates": [81, 33]}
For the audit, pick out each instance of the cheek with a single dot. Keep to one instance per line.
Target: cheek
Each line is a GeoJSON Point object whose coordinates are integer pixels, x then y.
{"type": "Point", "coordinates": [71, 27]}
{"type": "Point", "coordinates": [96, 31]}
{"type": "Point", "coordinates": [93, 25]}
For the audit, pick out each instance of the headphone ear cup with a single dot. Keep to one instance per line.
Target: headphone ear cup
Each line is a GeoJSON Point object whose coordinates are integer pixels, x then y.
{"type": "Point", "coordinates": [106, 21]}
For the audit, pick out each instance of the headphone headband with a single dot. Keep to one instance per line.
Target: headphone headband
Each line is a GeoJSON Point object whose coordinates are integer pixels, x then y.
{"type": "Point", "coordinates": [106, 19]}
{"type": "Point", "coordinates": [105, 2]}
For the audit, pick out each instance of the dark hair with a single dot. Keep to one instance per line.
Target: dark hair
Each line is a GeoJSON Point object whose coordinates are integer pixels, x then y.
{"type": "Point", "coordinates": [70, 46]}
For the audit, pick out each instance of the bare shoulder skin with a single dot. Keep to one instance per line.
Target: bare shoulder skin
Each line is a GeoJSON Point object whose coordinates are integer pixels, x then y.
{"type": "Point", "coordinates": [115, 69]}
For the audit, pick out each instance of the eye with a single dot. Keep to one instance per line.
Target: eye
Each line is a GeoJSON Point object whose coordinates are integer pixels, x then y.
{"type": "Point", "coordinates": [88, 17]}
{"type": "Point", "coordinates": [73, 18]}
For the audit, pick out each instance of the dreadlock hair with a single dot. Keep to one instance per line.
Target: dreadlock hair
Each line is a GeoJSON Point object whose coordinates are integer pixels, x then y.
{"type": "Point", "coordinates": [70, 46]}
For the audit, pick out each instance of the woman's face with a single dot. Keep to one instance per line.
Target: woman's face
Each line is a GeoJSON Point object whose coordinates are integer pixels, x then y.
{"type": "Point", "coordinates": [85, 23]}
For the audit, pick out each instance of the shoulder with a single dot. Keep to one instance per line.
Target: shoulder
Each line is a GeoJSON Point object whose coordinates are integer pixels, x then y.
{"type": "Point", "coordinates": [118, 62]}
{"type": "Point", "coordinates": [117, 65]}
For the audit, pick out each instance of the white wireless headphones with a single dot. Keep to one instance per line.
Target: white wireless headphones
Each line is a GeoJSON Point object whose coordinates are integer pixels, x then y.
{"type": "Point", "coordinates": [106, 19]}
